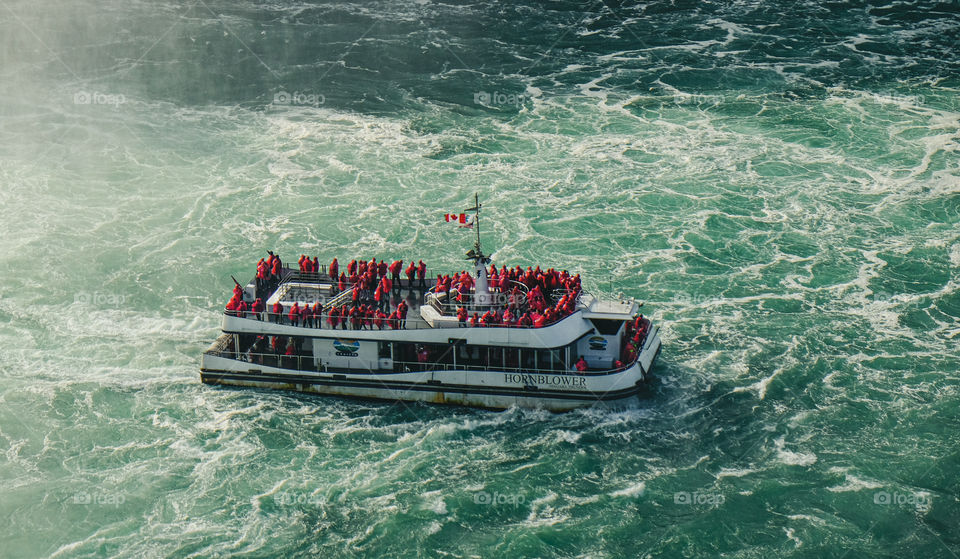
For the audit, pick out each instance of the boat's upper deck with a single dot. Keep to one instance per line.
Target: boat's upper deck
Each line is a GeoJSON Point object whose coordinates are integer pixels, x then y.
{"type": "Point", "coordinates": [508, 298]}
{"type": "Point", "coordinates": [310, 288]}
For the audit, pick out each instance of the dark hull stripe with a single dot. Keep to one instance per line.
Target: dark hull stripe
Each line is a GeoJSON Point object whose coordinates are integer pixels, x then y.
{"type": "Point", "coordinates": [209, 376]}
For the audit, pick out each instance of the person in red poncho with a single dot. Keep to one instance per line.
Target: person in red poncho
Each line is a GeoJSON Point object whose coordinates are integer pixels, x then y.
{"type": "Point", "coordinates": [395, 273]}
{"type": "Point", "coordinates": [402, 313]}
{"type": "Point", "coordinates": [422, 274]}
{"type": "Point", "coordinates": [368, 315]}
{"type": "Point", "coordinates": [275, 271]}
{"type": "Point", "coordinates": [410, 272]}
{"type": "Point", "coordinates": [581, 365]}
{"type": "Point", "coordinates": [525, 320]}
{"type": "Point", "coordinates": [306, 316]}
{"type": "Point", "coordinates": [539, 320]}
{"type": "Point", "coordinates": [333, 317]}
{"type": "Point", "coordinates": [486, 319]}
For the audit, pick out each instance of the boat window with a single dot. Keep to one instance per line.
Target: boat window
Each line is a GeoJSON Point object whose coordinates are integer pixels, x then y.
{"type": "Point", "coordinates": [384, 350]}
{"type": "Point", "coordinates": [468, 355]}
{"type": "Point", "coordinates": [550, 359]}
{"type": "Point", "coordinates": [512, 358]}
{"type": "Point", "coordinates": [404, 351]}
{"type": "Point", "coordinates": [438, 353]}
{"type": "Point", "coordinates": [528, 358]}
{"type": "Point", "coordinates": [606, 326]}
{"type": "Point", "coordinates": [494, 357]}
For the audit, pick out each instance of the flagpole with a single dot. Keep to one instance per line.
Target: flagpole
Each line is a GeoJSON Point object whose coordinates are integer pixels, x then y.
{"type": "Point", "coordinates": [476, 204]}
{"type": "Point", "coordinates": [481, 298]}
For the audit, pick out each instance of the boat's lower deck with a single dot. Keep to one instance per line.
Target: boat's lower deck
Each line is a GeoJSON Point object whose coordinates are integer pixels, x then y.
{"type": "Point", "coordinates": [495, 388]}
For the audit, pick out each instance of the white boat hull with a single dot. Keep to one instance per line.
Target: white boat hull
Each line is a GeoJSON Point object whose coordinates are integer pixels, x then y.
{"type": "Point", "coordinates": [555, 391]}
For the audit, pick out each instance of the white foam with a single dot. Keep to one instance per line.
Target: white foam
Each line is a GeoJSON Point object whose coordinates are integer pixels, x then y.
{"type": "Point", "coordinates": [793, 458]}
{"type": "Point", "coordinates": [633, 490]}
{"type": "Point", "coordinates": [433, 501]}
{"type": "Point", "coordinates": [735, 472]}
{"type": "Point", "coordinates": [791, 535]}
{"type": "Point", "coordinates": [853, 484]}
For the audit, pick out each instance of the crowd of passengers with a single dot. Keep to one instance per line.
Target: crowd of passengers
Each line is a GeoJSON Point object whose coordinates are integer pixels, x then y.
{"type": "Point", "coordinates": [635, 335]}
{"type": "Point", "coordinates": [527, 296]}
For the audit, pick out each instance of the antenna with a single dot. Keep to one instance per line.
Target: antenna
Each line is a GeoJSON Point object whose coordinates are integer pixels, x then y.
{"type": "Point", "coordinates": [477, 252]}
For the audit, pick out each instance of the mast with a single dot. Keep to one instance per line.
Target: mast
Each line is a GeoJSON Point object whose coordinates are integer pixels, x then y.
{"type": "Point", "coordinates": [482, 296]}
{"type": "Point", "coordinates": [476, 253]}
{"type": "Point", "coordinates": [476, 217]}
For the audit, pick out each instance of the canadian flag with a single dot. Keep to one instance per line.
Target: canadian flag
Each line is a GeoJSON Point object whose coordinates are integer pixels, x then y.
{"type": "Point", "coordinates": [458, 218]}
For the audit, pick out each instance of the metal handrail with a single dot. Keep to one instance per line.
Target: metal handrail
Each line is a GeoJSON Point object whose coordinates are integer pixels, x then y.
{"type": "Point", "coordinates": [412, 366]}
{"type": "Point", "coordinates": [411, 324]}
{"type": "Point", "coordinates": [341, 297]}
{"type": "Point", "coordinates": [434, 366]}
{"type": "Point", "coordinates": [449, 309]}
{"type": "Point", "coordinates": [278, 357]}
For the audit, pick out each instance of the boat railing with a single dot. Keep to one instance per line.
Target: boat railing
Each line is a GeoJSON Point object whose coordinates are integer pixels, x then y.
{"type": "Point", "coordinates": [417, 366]}
{"type": "Point", "coordinates": [557, 294]}
{"type": "Point", "coordinates": [310, 277]}
{"type": "Point", "coordinates": [280, 360]}
{"type": "Point", "coordinates": [499, 300]}
{"type": "Point", "coordinates": [306, 362]}
{"type": "Point", "coordinates": [324, 323]}
{"type": "Point", "coordinates": [341, 298]}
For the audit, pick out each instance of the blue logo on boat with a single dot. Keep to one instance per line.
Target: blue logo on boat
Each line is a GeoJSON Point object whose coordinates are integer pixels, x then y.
{"type": "Point", "coordinates": [597, 343]}
{"type": "Point", "coordinates": [346, 347]}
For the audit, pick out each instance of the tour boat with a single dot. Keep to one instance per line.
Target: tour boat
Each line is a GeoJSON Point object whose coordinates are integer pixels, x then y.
{"type": "Point", "coordinates": [483, 337]}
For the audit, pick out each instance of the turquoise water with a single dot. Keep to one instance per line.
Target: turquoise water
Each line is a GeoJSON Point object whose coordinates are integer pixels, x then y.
{"type": "Point", "coordinates": [777, 181]}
